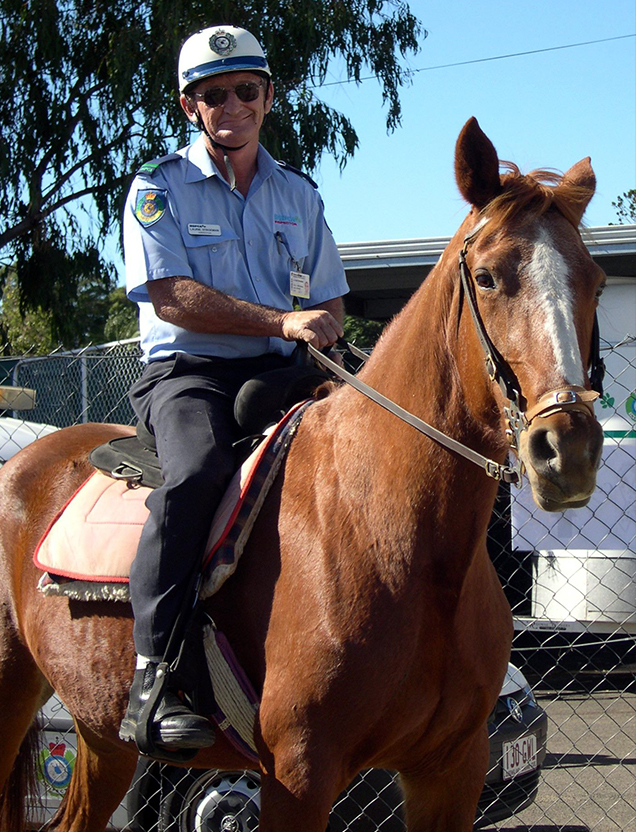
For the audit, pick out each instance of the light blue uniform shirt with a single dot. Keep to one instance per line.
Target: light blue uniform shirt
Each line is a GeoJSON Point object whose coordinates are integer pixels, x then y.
{"type": "Point", "coordinates": [183, 220]}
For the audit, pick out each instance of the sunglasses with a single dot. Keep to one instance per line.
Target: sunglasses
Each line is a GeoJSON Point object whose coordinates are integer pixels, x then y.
{"type": "Point", "coordinates": [215, 96]}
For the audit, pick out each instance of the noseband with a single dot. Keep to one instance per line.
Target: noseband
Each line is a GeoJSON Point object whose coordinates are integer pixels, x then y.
{"type": "Point", "coordinates": [559, 400]}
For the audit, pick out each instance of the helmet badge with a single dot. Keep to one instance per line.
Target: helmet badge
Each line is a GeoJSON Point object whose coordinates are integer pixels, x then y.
{"type": "Point", "coordinates": [223, 43]}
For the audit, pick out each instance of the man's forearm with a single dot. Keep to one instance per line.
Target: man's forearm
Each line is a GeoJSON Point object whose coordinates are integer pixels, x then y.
{"type": "Point", "coordinates": [197, 308]}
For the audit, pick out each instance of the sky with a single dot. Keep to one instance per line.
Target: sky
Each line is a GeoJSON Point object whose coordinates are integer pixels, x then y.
{"type": "Point", "coordinates": [546, 109]}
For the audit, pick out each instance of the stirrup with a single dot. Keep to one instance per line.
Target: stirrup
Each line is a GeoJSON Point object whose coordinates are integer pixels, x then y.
{"type": "Point", "coordinates": [143, 733]}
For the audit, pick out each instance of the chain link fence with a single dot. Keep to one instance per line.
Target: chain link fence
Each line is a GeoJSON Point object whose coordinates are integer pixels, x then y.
{"type": "Point", "coordinates": [88, 385]}
{"type": "Point", "coordinates": [571, 582]}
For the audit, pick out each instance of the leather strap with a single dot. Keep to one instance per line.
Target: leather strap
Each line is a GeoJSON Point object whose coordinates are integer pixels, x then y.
{"type": "Point", "coordinates": [565, 398]}
{"type": "Point", "coordinates": [493, 469]}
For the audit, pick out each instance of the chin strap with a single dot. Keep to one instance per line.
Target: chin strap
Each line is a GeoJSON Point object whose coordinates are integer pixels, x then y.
{"type": "Point", "coordinates": [226, 150]}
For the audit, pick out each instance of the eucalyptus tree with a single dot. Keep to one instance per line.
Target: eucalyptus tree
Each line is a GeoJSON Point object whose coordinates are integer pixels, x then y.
{"type": "Point", "coordinates": [625, 206]}
{"type": "Point", "coordinates": [88, 93]}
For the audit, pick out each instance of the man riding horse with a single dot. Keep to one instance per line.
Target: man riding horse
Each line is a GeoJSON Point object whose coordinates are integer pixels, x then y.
{"type": "Point", "coordinates": [230, 260]}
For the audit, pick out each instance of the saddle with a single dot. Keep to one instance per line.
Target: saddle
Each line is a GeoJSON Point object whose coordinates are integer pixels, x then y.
{"type": "Point", "coordinates": [92, 541]}
{"type": "Point", "coordinates": [261, 402]}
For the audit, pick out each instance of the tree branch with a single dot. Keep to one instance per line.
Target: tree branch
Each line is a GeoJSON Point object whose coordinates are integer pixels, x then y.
{"type": "Point", "coordinates": [72, 123]}
{"type": "Point", "coordinates": [30, 222]}
{"type": "Point", "coordinates": [57, 186]}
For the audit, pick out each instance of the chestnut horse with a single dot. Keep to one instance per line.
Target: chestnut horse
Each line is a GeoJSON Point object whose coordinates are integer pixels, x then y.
{"type": "Point", "coordinates": [365, 609]}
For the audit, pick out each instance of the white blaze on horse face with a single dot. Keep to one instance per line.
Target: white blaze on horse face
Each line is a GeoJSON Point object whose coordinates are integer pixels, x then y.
{"type": "Point", "coordinates": [548, 271]}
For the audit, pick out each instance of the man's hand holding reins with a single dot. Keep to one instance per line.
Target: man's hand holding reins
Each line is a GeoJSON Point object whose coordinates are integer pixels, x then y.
{"type": "Point", "coordinates": [317, 327]}
{"type": "Point", "coordinates": [199, 308]}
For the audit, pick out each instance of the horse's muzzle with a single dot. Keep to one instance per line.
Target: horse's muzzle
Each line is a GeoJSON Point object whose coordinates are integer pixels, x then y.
{"type": "Point", "coordinates": [561, 453]}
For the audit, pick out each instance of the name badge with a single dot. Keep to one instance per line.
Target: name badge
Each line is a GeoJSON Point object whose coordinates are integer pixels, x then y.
{"type": "Point", "coordinates": [204, 229]}
{"type": "Point", "coordinates": [299, 285]}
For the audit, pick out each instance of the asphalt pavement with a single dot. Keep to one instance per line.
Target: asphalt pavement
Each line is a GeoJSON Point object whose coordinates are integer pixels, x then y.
{"type": "Point", "coordinates": [588, 781]}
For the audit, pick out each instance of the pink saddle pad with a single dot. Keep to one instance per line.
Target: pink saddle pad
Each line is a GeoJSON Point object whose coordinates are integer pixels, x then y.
{"type": "Point", "coordinates": [94, 537]}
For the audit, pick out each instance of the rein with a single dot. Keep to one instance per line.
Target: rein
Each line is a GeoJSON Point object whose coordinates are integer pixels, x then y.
{"type": "Point", "coordinates": [493, 469]}
{"type": "Point", "coordinates": [554, 401]}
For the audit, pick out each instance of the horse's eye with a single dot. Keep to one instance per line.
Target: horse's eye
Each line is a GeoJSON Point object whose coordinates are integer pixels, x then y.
{"type": "Point", "coordinates": [484, 279]}
{"type": "Point", "coordinates": [600, 290]}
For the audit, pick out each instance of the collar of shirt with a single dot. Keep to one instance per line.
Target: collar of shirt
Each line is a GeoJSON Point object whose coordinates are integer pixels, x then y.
{"type": "Point", "coordinates": [201, 165]}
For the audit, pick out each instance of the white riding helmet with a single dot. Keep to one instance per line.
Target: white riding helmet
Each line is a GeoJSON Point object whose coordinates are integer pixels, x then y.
{"type": "Point", "coordinates": [219, 49]}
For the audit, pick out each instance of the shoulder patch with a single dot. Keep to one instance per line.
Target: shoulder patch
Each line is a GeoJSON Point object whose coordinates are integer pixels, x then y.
{"type": "Point", "coordinates": [150, 206]}
{"type": "Point", "coordinates": [149, 168]}
{"type": "Point", "coordinates": [298, 172]}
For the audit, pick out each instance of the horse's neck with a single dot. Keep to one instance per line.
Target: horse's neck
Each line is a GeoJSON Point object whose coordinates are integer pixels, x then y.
{"type": "Point", "coordinates": [430, 362]}
{"type": "Point", "coordinates": [423, 364]}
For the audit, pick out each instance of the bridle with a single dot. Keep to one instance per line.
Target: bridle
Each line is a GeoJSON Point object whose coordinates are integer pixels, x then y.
{"type": "Point", "coordinates": [554, 401]}
{"type": "Point", "coordinates": [559, 400]}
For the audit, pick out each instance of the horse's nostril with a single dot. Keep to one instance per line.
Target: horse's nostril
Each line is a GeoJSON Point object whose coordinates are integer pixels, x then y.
{"type": "Point", "coordinates": [542, 451]}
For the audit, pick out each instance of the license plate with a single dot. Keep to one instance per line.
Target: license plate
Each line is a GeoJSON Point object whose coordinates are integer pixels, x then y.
{"type": "Point", "coordinates": [519, 756]}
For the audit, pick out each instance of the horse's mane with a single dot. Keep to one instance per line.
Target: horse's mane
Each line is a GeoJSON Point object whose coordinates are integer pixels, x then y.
{"type": "Point", "coordinates": [535, 194]}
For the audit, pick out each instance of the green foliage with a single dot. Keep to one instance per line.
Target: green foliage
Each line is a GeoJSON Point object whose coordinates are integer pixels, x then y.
{"type": "Point", "coordinates": [626, 207]}
{"type": "Point", "coordinates": [22, 334]}
{"type": "Point", "coordinates": [123, 317]}
{"type": "Point", "coordinates": [361, 332]}
{"type": "Point", "coordinates": [33, 330]}
{"type": "Point", "coordinates": [88, 93]}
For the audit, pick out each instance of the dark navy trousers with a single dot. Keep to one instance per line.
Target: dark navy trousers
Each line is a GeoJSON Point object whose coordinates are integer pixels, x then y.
{"type": "Point", "coordinates": [187, 402]}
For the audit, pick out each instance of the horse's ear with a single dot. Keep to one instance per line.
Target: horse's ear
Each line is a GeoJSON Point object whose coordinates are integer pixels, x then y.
{"type": "Point", "coordinates": [476, 165]}
{"type": "Point", "coordinates": [577, 187]}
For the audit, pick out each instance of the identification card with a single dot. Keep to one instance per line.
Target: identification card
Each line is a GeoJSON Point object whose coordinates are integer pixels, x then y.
{"type": "Point", "coordinates": [299, 285]}
{"type": "Point", "coordinates": [204, 229]}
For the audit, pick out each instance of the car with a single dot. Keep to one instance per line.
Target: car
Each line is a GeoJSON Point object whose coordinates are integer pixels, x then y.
{"type": "Point", "coordinates": [518, 732]}
{"type": "Point", "coordinates": [16, 434]}
{"type": "Point", "coordinates": [190, 800]}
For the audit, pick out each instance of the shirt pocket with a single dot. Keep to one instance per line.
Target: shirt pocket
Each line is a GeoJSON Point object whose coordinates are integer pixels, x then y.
{"type": "Point", "coordinates": [294, 244]}
{"type": "Point", "coordinates": [216, 260]}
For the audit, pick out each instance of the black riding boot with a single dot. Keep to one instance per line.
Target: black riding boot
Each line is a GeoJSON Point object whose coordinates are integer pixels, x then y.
{"type": "Point", "coordinates": [174, 724]}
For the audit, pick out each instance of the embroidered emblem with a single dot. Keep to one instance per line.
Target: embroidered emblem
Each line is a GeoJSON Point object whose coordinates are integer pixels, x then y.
{"type": "Point", "coordinates": [150, 207]}
{"type": "Point", "coordinates": [223, 43]}
{"type": "Point", "coordinates": [286, 219]}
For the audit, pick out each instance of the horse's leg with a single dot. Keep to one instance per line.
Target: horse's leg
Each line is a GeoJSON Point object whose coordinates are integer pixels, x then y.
{"type": "Point", "coordinates": [285, 811]}
{"type": "Point", "coordinates": [101, 777]}
{"type": "Point", "coordinates": [20, 700]}
{"type": "Point", "coordinates": [21, 695]}
{"type": "Point", "coordinates": [298, 788]}
{"type": "Point", "coordinates": [23, 690]}
{"type": "Point", "coordinates": [446, 800]}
